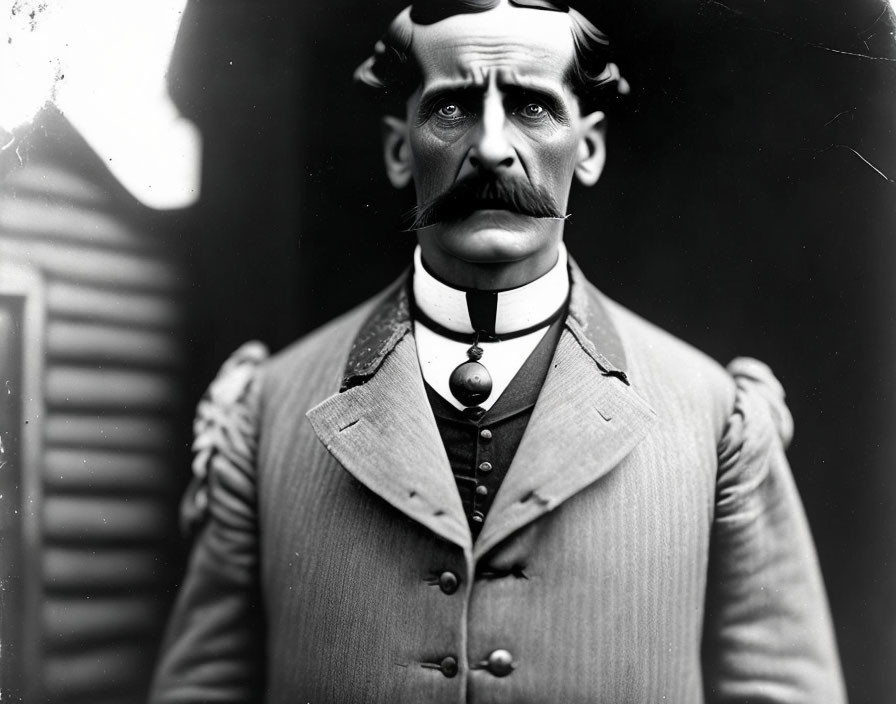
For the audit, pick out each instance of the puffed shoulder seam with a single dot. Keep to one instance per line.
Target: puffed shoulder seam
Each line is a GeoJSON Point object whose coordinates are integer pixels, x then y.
{"type": "Point", "coordinates": [752, 376]}
{"type": "Point", "coordinates": [225, 443]}
{"type": "Point", "coordinates": [758, 428]}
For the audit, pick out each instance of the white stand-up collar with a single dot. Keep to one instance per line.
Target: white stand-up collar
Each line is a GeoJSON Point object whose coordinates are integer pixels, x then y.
{"type": "Point", "coordinates": [517, 309]}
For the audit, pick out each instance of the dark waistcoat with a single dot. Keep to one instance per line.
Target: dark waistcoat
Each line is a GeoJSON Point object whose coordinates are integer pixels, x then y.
{"type": "Point", "coordinates": [480, 446]}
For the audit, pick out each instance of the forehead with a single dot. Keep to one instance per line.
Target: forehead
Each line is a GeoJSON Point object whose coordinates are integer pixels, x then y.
{"type": "Point", "coordinates": [516, 45]}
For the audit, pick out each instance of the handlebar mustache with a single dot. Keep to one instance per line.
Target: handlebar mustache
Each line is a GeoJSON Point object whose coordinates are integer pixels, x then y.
{"type": "Point", "coordinates": [479, 192]}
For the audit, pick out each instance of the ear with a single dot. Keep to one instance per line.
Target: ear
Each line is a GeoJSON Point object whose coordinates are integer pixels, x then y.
{"type": "Point", "coordinates": [592, 149]}
{"type": "Point", "coordinates": [396, 151]}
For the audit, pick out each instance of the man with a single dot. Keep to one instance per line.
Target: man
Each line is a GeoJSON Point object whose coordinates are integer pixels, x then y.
{"type": "Point", "coordinates": [491, 483]}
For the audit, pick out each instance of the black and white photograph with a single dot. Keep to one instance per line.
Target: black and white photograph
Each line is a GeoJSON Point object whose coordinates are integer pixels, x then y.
{"type": "Point", "coordinates": [460, 351]}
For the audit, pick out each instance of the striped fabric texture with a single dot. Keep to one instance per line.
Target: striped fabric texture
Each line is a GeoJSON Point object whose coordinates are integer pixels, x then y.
{"type": "Point", "coordinates": [647, 545]}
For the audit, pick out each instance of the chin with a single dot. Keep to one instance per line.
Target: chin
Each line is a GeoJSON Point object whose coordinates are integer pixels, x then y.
{"type": "Point", "coordinates": [498, 236]}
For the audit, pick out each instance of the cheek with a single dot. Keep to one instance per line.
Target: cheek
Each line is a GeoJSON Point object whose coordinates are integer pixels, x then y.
{"type": "Point", "coordinates": [556, 158]}
{"type": "Point", "coordinates": [435, 162]}
{"type": "Point", "coordinates": [551, 164]}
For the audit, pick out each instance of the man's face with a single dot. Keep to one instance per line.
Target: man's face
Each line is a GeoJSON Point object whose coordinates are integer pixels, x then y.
{"type": "Point", "coordinates": [495, 101]}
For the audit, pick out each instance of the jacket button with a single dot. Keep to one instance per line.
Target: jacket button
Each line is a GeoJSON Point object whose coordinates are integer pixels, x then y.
{"type": "Point", "coordinates": [448, 666]}
{"type": "Point", "coordinates": [500, 663]}
{"type": "Point", "coordinates": [448, 582]}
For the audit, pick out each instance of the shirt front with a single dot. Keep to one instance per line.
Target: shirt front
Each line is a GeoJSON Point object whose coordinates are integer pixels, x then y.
{"type": "Point", "coordinates": [513, 310]}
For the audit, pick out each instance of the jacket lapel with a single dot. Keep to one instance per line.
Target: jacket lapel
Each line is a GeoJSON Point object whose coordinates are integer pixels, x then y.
{"type": "Point", "coordinates": [382, 430]}
{"type": "Point", "coordinates": [588, 418]}
{"type": "Point", "coordinates": [380, 426]}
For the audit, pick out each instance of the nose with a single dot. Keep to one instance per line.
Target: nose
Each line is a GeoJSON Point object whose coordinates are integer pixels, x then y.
{"type": "Point", "coordinates": [491, 149]}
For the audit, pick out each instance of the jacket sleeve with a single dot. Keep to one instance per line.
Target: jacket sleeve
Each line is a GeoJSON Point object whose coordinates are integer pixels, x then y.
{"type": "Point", "coordinates": [767, 635]}
{"type": "Point", "coordinates": [213, 648]}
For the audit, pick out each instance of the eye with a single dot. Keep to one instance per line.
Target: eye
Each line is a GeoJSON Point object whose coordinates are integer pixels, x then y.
{"type": "Point", "coordinates": [532, 111]}
{"type": "Point", "coordinates": [450, 111]}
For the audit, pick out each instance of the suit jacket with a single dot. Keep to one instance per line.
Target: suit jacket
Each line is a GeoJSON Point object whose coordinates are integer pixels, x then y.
{"type": "Point", "coordinates": [647, 545]}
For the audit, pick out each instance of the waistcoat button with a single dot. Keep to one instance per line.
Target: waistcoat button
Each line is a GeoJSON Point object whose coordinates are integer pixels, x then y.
{"type": "Point", "coordinates": [485, 434]}
{"type": "Point", "coordinates": [448, 582]}
{"type": "Point", "coordinates": [448, 666]}
{"type": "Point", "coordinates": [500, 663]}
{"type": "Point", "coordinates": [485, 466]}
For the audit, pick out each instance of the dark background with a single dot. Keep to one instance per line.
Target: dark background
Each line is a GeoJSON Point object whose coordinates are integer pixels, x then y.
{"type": "Point", "coordinates": [737, 210]}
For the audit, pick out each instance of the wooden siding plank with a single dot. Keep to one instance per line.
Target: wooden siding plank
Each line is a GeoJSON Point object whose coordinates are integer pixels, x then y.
{"type": "Point", "coordinates": [97, 671]}
{"type": "Point", "coordinates": [71, 623]}
{"type": "Point", "coordinates": [79, 569]}
{"type": "Point", "coordinates": [94, 265]}
{"type": "Point", "coordinates": [93, 520]}
{"type": "Point", "coordinates": [112, 344]}
{"type": "Point", "coordinates": [39, 218]}
{"type": "Point", "coordinates": [110, 389]}
{"type": "Point", "coordinates": [109, 431]}
{"type": "Point", "coordinates": [54, 182]}
{"type": "Point", "coordinates": [101, 305]}
{"type": "Point", "coordinates": [82, 470]}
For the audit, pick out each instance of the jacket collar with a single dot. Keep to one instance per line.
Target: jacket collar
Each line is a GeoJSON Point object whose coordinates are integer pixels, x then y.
{"type": "Point", "coordinates": [381, 429]}
{"type": "Point", "coordinates": [391, 320]}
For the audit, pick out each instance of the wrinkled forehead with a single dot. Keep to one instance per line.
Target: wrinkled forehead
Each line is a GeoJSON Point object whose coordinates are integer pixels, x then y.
{"type": "Point", "coordinates": [511, 44]}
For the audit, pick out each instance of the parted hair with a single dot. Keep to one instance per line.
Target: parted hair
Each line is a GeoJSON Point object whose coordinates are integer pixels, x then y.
{"type": "Point", "coordinates": [391, 73]}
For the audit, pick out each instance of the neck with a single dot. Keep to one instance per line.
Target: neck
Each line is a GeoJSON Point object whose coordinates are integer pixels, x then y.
{"type": "Point", "coordinates": [500, 276]}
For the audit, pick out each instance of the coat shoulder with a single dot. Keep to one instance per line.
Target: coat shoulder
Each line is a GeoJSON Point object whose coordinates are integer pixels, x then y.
{"type": "Point", "coordinates": [669, 372]}
{"type": "Point", "coordinates": [743, 403]}
{"type": "Point", "coordinates": [311, 368]}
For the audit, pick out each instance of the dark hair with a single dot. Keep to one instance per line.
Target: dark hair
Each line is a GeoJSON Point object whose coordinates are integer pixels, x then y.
{"type": "Point", "coordinates": [391, 74]}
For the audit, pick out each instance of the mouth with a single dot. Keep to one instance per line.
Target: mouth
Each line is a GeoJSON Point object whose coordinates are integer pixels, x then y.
{"type": "Point", "coordinates": [492, 205]}
{"type": "Point", "coordinates": [486, 208]}
{"type": "Point", "coordinates": [488, 215]}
